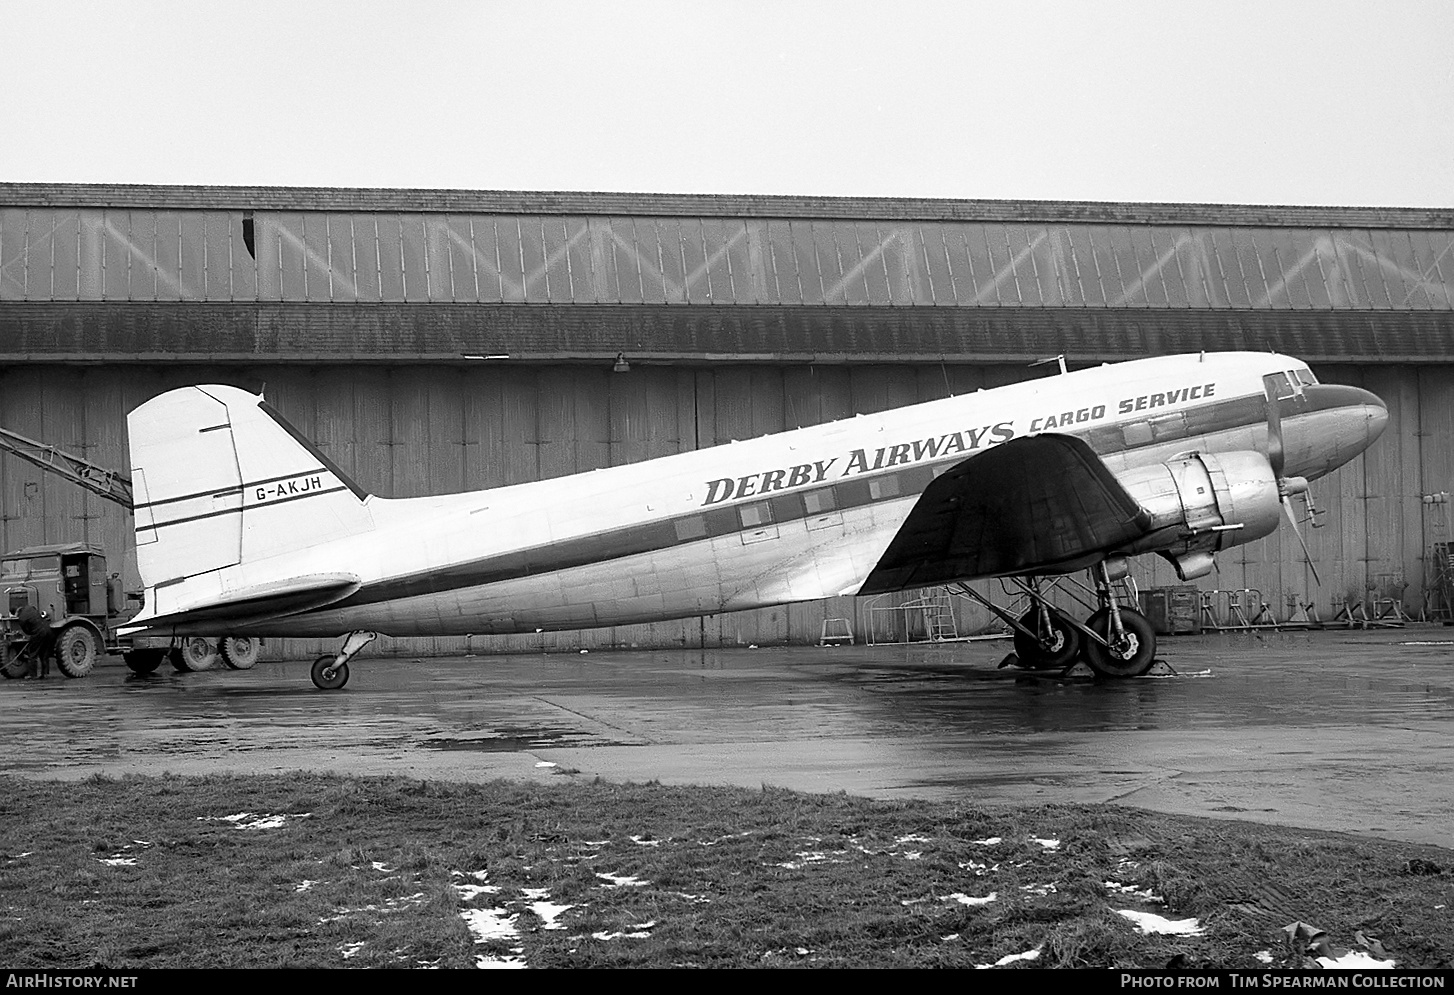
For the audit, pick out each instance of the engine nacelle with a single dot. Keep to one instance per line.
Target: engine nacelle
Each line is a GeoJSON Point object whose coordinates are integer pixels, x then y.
{"type": "Point", "coordinates": [1203, 503]}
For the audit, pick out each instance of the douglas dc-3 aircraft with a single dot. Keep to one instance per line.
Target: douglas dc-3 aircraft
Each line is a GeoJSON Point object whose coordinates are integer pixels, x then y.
{"type": "Point", "coordinates": [244, 527]}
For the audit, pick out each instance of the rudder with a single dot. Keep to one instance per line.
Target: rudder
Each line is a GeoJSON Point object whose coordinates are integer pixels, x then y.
{"type": "Point", "coordinates": [221, 479]}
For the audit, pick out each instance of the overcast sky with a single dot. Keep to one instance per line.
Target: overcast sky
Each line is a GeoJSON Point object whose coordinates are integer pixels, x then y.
{"type": "Point", "coordinates": [1346, 102]}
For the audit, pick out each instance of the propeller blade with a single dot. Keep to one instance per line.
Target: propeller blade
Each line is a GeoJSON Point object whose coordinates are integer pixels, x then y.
{"type": "Point", "coordinates": [1307, 553]}
{"type": "Point", "coordinates": [1275, 454]}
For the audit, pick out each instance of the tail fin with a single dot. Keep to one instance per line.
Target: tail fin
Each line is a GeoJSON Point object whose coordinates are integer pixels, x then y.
{"type": "Point", "coordinates": [220, 478]}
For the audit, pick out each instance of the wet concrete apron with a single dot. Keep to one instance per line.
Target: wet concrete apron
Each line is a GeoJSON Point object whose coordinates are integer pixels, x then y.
{"type": "Point", "coordinates": [1343, 730]}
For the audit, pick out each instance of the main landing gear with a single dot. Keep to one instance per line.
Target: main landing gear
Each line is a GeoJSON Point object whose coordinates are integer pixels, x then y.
{"type": "Point", "coordinates": [1115, 641]}
{"type": "Point", "coordinates": [330, 671]}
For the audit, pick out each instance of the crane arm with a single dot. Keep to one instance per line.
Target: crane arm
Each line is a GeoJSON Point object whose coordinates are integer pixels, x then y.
{"type": "Point", "coordinates": [108, 484]}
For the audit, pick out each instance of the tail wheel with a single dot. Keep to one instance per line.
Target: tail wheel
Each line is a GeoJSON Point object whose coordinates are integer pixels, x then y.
{"type": "Point", "coordinates": [1056, 646]}
{"type": "Point", "coordinates": [1131, 655]}
{"type": "Point", "coordinates": [238, 652]}
{"type": "Point", "coordinates": [77, 650]}
{"type": "Point", "coordinates": [328, 677]}
{"type": "Point", "coordinates": [144, 661]}
{"type": "Point", "coordinates": [197, 653]}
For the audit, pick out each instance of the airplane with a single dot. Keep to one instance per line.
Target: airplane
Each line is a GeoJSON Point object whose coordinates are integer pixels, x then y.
{"type": "Point", "coordinates": [244, 526]}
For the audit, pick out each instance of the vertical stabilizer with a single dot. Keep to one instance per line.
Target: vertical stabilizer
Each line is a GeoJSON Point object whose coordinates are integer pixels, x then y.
{"type": "Point", "coordinates": [221, 479]}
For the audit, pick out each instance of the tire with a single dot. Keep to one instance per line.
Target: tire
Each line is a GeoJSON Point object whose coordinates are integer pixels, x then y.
{"type": "Point", "coordinates": [198, 653]}
{"type": "Point", "coordinates": [329, 683]}
{"type": "Point", "coordinates": [1130, 660]}
{"type": "Point", "coordinates": [144, 661]}
{"type": "Point", "coordinates": [11, 667]}
{"type": "Point", "coordinates": [77, 649]}
{"type": "Point", "coordinates": [238, 652]}
{"type": "Point", "coordinates": [1064, 642]}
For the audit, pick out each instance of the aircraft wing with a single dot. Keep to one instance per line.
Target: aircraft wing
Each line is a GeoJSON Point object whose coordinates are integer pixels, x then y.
{"type": "Point", "coordinates": [258, 603]}
{"type": "Point", "coordinates": [1039, 504]}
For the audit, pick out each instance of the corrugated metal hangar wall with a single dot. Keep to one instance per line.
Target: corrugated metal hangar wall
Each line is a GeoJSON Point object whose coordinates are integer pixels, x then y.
{"type": "Point", "coordinates": [434, 341]}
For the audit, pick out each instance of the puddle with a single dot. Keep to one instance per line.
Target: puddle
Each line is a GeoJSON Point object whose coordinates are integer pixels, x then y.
{"type": "Point", "coordinates": [515, 740]}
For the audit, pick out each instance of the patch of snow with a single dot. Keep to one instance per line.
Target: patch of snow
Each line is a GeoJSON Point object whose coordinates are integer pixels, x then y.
{"type": "Point", "coordinates": [729, 836]}
{"type": "Point", "coordinates": [489, 924]}
{"type": "Point", "coordinates": [535, 892]}
{"type": "Point", "coordinates": [913, 838]}
{"type": "Point", "coordinates": [304, 885]}
{"type": "Point", "coordinates": [1150, 922]}
{"type": "Point", "coordinates": [1145, 894]}
{"type": "Point", "coordinates": [643, 841]}
{"type": "Point", "coordinates": [469, 892]}
{"type": "Point", "coordinates": [964, 899]}
{"type": "Point", "coordinates": [990, 841]}
{"type": "Point", "coordinates": [251, 820]}
{"type": "Point", "coordinates": [484, 962]}
{"type": "Point", "coordinates": [1012, 958]}
{"type": "Point", "coordinates": [1356, 959]}
{"type": "Point", "coordinates": [381, 867]}
{"type": "Point", "coordinates": [1046, 843]}
{"type": "Point", "coordinates": [550, 913]}
{"type": "Point", "coordinates": [350, 949]}
{"type": "Point", "coordinates": [1264, 956]}
{"type": "Point", "coordinates": [812, 857]}
{"type": "Point", "coordinates": [622, 880]}
{"type": "Point", "coordinates": [636, 931]}
{"type": "Point", "coordinates": [118, 861]}
{"type": "Point", "coordinates": [699, 899]}
{"type": "Point", "coordinates": [1038, 889]}
{"type": "Point", "coordinates": [545, 763]}
{"type": "Point", "coordinates": [980, 870]}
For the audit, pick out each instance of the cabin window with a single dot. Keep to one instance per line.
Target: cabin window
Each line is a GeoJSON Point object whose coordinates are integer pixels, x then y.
{"type": "Point", "coordinates": [817, 502]}
{"type": "Point", "coordinates": [884, 487]}
{"type": "Point", "coordinates": [755, 515]}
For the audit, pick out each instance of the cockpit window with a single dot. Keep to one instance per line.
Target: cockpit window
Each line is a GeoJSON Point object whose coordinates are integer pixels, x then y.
{"type": "Point", "coordinates": [1278, 385]}
{"type": "Point", "coordinates": [1303, 377]}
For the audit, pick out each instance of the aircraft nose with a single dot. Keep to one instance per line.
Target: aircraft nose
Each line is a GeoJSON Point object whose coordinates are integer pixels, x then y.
{"type": "Point", "coordinates": [1376, 415]}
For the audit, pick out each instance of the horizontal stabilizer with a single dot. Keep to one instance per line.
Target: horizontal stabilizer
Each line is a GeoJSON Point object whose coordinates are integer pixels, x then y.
{"type": "Point", "coordinates": [258, 603]}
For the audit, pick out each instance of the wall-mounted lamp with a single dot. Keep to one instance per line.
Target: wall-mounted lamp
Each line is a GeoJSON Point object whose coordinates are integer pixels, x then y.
{"type": "Point", "coordinates": [621, 365]}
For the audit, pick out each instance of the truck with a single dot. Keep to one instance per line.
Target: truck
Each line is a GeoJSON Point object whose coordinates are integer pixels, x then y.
{"type": "Point", "coordinates": [82, 606]}
{"type": "Point", "coordinates": [60, 599]}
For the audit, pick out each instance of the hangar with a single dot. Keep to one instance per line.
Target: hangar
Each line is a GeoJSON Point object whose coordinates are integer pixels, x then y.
{"type": "Point", "coordinates": [438, 340]}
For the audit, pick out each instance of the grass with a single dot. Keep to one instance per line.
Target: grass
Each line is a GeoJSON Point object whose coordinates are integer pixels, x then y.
{"type": "Point", "coordinates": [150, 873]}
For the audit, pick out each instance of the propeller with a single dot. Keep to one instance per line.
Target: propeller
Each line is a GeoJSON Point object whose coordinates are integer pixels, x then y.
{"type": "Point", "coordinates": [1286, 486]}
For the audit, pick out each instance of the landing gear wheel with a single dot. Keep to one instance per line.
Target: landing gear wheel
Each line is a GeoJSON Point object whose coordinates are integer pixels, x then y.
{"type": "Point", "coordinates": [77, 650]}
{"type": "Point", "coordinates": [144, 661]}
{"type": "Point", "coordinates": [327, 677]}
{"type": "Point", "coordinates": [238, 652]}
{"type": "Point", "coordinates": [1056, 648]}
{"type": "Point", "coordinates": [198, 653]}
{"type": "Point", "coordinates": [1135, 653]}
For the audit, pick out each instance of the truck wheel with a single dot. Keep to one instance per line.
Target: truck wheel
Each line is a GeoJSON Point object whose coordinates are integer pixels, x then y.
{"type": "Point", "coordinates": [238, 652]}
{"type": "Point", "coordinates": [13, 667]}
{"type": "Point", "coordinates": [144, 661]}
{"type": "Point", "coordinates": [198, 653]}
{"type": "Point", "coordinates": [77, 650]}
